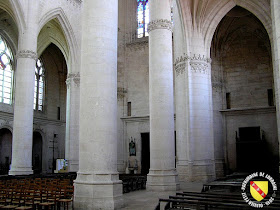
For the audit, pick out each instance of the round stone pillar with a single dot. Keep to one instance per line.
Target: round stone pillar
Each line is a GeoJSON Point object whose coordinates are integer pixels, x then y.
{"type": "Point", "coordinates": [97, 185]}
{"type": "Point", "coordinates": [201, 136]}
{"type": "Point", "coordinates": [162, 174]}
{"type": "Point", "coordinates": [24, 97]}
{"type": "Point", "coordinates": [72, 122]}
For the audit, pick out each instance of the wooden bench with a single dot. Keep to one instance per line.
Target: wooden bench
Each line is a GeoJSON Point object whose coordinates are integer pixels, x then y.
{"type": "Point", "coordinates": [193, 200]}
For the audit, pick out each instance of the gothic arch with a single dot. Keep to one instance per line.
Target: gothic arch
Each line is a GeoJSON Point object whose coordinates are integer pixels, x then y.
{"type": "Point", "coordinates": [255, 7]}
{"type": "Point", "coordinates": [52, 33]}
{"type": "Point", "coordinates": [67, 30]}
{"type": "Point", "coordinates": [14, 9]}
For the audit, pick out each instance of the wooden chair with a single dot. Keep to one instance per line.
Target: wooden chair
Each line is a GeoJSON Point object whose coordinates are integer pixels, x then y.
{"type": "Point", "coordinates": [66, 197]}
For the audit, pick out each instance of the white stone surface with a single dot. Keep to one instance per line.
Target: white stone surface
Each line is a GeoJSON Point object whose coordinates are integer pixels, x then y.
{"type": "Point", "coordinates": [23, 108]}
{"type": "Point", "coordinates": [162, 174]}
{"type": "Point", "coordinates": [97, 185]}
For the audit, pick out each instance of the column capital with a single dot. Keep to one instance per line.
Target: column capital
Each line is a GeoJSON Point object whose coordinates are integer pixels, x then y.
{"type": "Point", "coordinates": [73, 77]}
{"type": "Point", "coordinates": [180, 67]}
{"type": "Point", "coordinates": [198, 63]}
{"type": "Point", "coordinates": [160, 24]}
{"type": "Point", "coordinates": [27, 54]}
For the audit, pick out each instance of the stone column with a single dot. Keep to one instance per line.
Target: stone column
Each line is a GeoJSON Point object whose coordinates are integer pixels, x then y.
{"type": "Point", "coordinates": [162, 174]}
{"type": "Point", "coordinates": [201, 136]}
{"type": "Point", "coordinates": [24, 96]}
{"type": "Point", "coordinates": [182, 119]}
{"type": "Point", "coordinates": [275, 16]}
{"type": "Point", "coordinates": [97, 185]}
{"type": "Point", "coordinates": [72, 122]}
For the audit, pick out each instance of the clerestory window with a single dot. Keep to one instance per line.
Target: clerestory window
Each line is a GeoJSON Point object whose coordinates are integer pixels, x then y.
{"type": "Point", "coordinates": [142, 18]}
{"type": "Point", "coordinates": [6, 72]}
{"type": "Point", "coordinates": [39, 86]}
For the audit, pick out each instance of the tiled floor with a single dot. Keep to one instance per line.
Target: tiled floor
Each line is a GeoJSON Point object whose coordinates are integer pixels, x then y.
{"type": "Point", "coordinates": [145, 200]}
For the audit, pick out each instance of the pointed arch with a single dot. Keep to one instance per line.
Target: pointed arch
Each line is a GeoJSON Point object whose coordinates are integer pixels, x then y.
{"type": "Point", "coordinates": [67, 30]}
{"type": "Point", "coordinates": [52, 33]}
{"type": "Point", "coordinates": [15, 10]}
{"type": "Point", "coordinates": [258, 8]}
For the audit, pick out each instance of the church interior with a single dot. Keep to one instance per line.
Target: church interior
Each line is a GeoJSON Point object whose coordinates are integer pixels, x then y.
{"type": "Point", "coordinates": [103, 98]}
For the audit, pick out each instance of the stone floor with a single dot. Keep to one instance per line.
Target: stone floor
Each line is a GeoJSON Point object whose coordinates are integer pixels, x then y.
{"type": "Point", "coordinates": [145, 200]}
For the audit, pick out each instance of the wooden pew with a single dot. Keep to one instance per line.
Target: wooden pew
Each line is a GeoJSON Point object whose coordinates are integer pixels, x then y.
{"type": "Point", "coordinates": [206, 204]}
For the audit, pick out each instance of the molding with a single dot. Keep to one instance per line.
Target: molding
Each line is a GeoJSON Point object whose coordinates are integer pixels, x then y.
{"type": "Point", "coordinates": [27, 54]}
{"type": "Point", "coordinates": [136, 119]}
{"type": "Point", "coordinates": [145, 118]}
{"type": "Point", "coordinates": [160, 24]}
{"type": "Point", "coordinates": [249, 110]}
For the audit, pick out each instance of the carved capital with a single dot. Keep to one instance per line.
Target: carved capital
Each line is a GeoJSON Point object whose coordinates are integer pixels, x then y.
{"type": "Point", "coordinates": [180, 68]}
{"type": "Point", "coordinates": [160, 24]}
{"type": "Point", "coordinates": [73, 77]}
{"type": "Point", "coordinates": [198, 63]}
{"type": "Point", "coordinates": [27, 54]}
{"type": "Point", "coordinates": [199, 67]}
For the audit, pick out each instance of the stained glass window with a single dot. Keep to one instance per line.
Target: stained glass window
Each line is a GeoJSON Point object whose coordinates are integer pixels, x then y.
{"type": "Point", "coordinates": [39, 86]}
{"type": "Point", "coordinates": [6, 72]}
{"type": "Point", "coordinates": [142, 18]}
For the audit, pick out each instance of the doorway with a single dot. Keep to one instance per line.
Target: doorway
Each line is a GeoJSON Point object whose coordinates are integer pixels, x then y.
{"type": "Point", "coordinates": [5, 150]}
{"type": "Point", "coordinates": [251, 150]}
{"type": "Point", "coordinates": [145, 153]}
{"type": "Point", "coordinates": [37, 153]}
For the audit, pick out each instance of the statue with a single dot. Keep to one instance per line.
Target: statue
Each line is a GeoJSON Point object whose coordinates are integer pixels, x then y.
{"type": "Point", "coordinates": [132, 147]}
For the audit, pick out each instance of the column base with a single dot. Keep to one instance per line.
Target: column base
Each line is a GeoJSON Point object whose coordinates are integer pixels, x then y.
{"type": "Point", "coordinates": [184, 172]}
{"type": "Point", "coordinates": [97, 191]}
{"type": "Point", "coordinates": [162, 180]}
{"type": "Point", "coordinates": [203, 171]}
{"type": "Point", "coordinates": [20, 171]}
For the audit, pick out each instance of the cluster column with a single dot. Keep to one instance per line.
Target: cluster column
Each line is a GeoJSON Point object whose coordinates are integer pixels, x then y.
{"type": "Point", "coordinates": [72, 122]}
{"type": "Point", "coordinates": [97, 185]}
{"type": "Point", "coordinates": [24, 97]}
{"type": "Point", "coordinates": [162, 174]}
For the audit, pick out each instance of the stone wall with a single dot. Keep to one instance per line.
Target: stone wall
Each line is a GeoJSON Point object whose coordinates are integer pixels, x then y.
{"type": "Point", "coordinates": [241, 76]}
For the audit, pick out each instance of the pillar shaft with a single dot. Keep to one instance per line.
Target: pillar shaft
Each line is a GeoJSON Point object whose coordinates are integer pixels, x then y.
{"type": "Point", "coordinates": [182, 120]}
{"type": "Point", "coordinates": [162, 174]}
{"type": "Point", "coordinates": [97, 185]}
{"type": "Point", "coordinates": [72, 122]}
{"type": "Point", "coordinates": [201, 139]}
{"type": "Point", "coordinates": [24, 97]}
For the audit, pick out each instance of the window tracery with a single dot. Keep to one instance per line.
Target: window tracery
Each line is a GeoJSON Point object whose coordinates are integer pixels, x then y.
{"type": "Point", "coordinates": [39, 86]}
{"type": "Point", "coordinates": [142, 18]}
{"type": "Point", "coordinates": [6, 72]}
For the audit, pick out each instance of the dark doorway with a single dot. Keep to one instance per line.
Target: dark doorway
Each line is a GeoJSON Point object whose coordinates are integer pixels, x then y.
{"type": "Point", "coordinates": [251, 150]}
{"type": "Point", "coordinates": [145, 154]}
{"type": "Point", "coordinates": [5, 150]}
{"type": "Point", "coordinates": [37, 153]}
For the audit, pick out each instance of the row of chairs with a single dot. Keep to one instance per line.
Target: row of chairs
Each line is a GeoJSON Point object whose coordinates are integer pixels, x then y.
{"type": "Point", "coordinates": [37, 193]}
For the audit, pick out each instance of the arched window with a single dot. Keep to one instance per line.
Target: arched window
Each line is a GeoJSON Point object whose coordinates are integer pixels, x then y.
{"type": "Point", "coordinates": [39, 86]}
{"type": "Point", "coordinates": [6, 72]}
{"type": "Point", "coordinates": [142, 18]}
